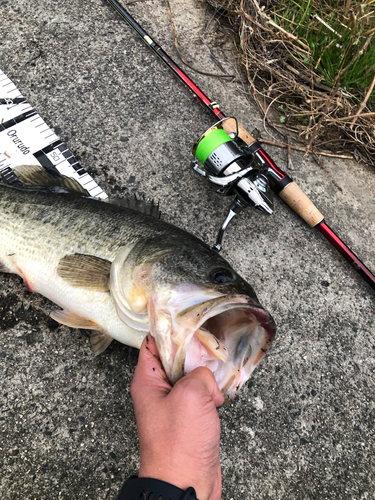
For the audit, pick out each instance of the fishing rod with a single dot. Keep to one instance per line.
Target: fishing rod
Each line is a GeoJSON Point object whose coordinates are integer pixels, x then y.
{"type": "Point", "coordinates": [235, 162]}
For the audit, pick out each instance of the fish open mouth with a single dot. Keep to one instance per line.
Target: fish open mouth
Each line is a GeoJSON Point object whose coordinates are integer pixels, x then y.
{"type": "Point", "coordinates": [228, 334]}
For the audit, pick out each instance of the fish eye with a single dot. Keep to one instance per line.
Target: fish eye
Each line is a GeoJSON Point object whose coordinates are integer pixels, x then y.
{"type": "Point", "coordinates": [222, 276]}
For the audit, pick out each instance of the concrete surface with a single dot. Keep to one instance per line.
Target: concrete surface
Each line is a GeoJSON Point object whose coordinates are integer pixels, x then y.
{"type": "Point", "coordinates": [303, 427]}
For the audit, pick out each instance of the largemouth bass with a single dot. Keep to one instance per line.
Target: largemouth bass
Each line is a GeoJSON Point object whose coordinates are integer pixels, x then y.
{"type": "Point", "coordinates": [123, 273]}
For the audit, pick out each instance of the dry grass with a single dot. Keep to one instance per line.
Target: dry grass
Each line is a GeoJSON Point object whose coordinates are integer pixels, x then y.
{"type": "Point", "coordinates": [311, 69]}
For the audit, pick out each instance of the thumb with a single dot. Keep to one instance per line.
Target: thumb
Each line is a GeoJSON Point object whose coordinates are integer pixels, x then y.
{"type": "Point", "coordinates": [202, 380]}
{"type": "Point", "coordinates": [149, 376]}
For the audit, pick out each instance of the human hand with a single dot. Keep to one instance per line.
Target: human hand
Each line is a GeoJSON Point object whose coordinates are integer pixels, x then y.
{"type": "Point", "coordinates": [179, 428]}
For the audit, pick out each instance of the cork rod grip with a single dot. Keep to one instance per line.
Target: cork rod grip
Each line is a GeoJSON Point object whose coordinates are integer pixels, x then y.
{"type": "Point", "coordinates": [292, 194]}
{"type": "Point", "coordinates": [230, 126]}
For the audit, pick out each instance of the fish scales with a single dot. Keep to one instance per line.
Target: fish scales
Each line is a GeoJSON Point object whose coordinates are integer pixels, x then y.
{"type": "Point", "coordinates": [98, 227]}
{"type": "Point", "coordinates": [122, 273]}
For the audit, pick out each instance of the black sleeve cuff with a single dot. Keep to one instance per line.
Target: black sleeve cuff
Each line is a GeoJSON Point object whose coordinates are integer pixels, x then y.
{"type": "Point", "coordinates": [138, 488]}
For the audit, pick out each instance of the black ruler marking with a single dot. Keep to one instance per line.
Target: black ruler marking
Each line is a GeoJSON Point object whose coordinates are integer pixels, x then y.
{"type": "Point", "coordinates": [12, 101]}
{"type": "Point", "coordinates": [17, 119]}
{"type": "Point", "coordinates": [8, 175]}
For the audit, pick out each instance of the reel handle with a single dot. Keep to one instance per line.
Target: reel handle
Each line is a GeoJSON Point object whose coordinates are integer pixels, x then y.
{"type": "Point", "coordinates": [291, 193]}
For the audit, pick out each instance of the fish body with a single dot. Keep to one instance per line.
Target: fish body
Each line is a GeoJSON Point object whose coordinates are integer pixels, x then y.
{"type": "Point", "coordinates": [122, 273]}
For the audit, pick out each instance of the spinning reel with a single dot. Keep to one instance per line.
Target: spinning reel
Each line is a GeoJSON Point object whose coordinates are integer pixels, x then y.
{"type": "Point", "coordinates": [230, 165]}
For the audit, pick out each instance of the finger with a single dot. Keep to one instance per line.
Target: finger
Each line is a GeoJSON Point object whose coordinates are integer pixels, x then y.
{"type": "Point", "coordinates": [149, 348]}
{"type": "Point", "coordinates": [205, 378]}
{"type": "Point", "coordinates": [149, 374]}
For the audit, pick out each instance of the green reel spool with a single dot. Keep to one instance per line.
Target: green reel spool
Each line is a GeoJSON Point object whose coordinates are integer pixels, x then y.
{"type": "Point", "coordinates": [210, 142]}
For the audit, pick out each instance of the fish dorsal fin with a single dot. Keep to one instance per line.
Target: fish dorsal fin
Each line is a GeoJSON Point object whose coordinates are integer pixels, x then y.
{"type": "Point", "coordinates": [85, 271]}
{"type": "Point", "coordinates": [36, 175]}
{"type": "Point", "coordinates": [147, 207]}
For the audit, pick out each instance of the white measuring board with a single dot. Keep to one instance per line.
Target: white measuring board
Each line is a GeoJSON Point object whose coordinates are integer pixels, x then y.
{"type": "Point", "coordinates": [25, 139]}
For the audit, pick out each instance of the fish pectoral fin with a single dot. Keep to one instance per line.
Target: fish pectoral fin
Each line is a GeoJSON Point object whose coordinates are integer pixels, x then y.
{"type": "Point", "coordinates": [85, 271]}
{"type": "Point", "coordinates": [73, 320]}
{"type": "Point", "coordinates": [100, 341]}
